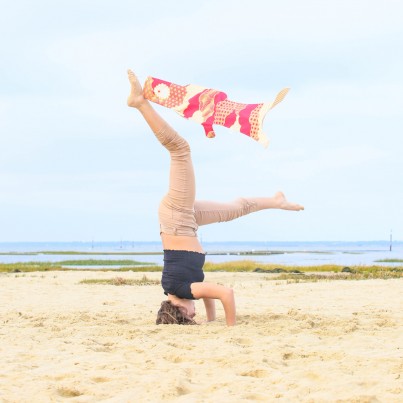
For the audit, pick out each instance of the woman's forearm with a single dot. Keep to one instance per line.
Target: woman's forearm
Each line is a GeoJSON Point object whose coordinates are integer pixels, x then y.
{"type": "Point", "coordinates": [228, 302]}
{"type": "Point", "coordinates": [209, 304]}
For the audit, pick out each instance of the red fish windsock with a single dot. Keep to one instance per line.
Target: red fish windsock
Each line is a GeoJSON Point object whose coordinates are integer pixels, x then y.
{"type": "Point", "coordinates": [211, 107]}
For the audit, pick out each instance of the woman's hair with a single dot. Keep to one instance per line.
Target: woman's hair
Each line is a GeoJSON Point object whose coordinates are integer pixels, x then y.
{"type": "Point", "coordinates": [170, 314]}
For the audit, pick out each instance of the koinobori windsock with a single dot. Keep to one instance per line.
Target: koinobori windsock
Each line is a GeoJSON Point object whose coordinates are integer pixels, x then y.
{"type": "Point", "coordinates": [210, 107]}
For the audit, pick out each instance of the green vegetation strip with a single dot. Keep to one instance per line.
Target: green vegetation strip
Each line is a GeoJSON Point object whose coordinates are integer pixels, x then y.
{"type": "Point", "coordinates": [300, 273]}
{"type": "Point", "coordinates": [57, 266]}
{"type": "Point", "coordinates": [94, 262]}
{"type": "Point", "coordinates": [313, 278]}
{"type": "Point", "coordinates": [96, 253]}
{"type": "Point", "coordinates": [248, 265]}
{"type": "Point", "coordinates": [122, 281]}
{"type": "Point", "coordinates": [389, 261]}
{"type": "Point", "coordinates": [76, 253]}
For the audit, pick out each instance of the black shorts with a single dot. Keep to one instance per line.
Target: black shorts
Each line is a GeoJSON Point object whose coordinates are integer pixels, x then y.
{"type": "Point", "coordinates": [181, 269]}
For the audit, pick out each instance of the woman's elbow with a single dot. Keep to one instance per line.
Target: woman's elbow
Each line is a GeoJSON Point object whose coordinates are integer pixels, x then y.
{"type": "Point", "coordinates": [230, 293]}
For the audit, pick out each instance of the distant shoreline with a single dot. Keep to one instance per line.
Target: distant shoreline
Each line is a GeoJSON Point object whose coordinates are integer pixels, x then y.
{"type": "Point", "coordinates": [212, 253]}
{"type": "Point", "coordinates": [278, 253]}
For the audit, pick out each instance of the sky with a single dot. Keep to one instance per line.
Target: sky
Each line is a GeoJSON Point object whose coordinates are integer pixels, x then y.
{"type": "Point", "coordinates": [76, 164]}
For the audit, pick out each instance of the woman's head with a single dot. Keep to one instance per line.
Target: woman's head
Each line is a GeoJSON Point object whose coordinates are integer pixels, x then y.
{"type": "Point", "coordinates": [170, 314]}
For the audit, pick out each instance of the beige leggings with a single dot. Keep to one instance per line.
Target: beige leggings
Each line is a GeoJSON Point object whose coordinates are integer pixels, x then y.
{"type": "Point", "coordinates": [179, 212]}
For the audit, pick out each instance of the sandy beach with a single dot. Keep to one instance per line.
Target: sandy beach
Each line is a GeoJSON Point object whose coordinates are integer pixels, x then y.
{"type": "Point", "coordinates": [333, 341]}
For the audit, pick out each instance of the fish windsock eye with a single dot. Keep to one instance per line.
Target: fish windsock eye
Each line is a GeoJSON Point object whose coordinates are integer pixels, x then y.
{"type": "Point", "coordinates": [162, 91]}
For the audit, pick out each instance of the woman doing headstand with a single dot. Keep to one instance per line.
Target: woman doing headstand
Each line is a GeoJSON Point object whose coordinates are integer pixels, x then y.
{"type": "Point", "coordinates": [180, 215]}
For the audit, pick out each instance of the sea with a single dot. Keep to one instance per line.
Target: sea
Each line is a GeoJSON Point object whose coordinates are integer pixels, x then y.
{"type": "Point", "coordinates": [279, 253]}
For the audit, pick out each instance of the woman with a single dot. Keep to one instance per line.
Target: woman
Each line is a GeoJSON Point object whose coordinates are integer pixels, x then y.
{"type": "Point", "coordinates": [180, 215]}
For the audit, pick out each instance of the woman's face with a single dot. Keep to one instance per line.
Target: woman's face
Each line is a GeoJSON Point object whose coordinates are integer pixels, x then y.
{"type": "Point", "coordinates": [189, 306]}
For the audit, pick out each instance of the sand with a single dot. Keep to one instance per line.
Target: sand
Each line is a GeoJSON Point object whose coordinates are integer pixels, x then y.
{"type": "Point", "coordinates": [335, 341]}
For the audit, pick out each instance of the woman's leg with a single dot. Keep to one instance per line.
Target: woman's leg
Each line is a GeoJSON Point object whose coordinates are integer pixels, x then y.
{"type": "Point", "coordinates": [209, 212]}
{"type": "Point", "coordinates": [176, 212]}
{"type": "Point", "coordinates": [181, 191]}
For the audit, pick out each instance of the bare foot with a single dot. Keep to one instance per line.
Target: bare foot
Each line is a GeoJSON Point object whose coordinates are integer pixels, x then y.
{"type": "Point", "coordinates": [284, 204]}
{"type": "Point", "coordinates": [136, 98]}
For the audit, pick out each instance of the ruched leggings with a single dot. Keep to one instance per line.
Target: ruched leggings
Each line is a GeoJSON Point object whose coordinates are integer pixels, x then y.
{"type": "Point", "coordinates": [179, 212]}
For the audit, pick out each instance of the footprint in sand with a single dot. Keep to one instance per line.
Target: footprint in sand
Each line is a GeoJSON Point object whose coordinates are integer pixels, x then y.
{"type": "Point", "coordinates": [256, 373]}
{"type": "Point", "coordinates": [100, 379]}
{"type": "Point", "coordinates": [174, 358]}
{"type": "Point", "coordinates": [68, 392]}
{"type": "Point", "coordinates": [243, 342]}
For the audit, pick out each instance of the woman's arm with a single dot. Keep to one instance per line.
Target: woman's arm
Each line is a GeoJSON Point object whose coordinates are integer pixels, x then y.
{"type": "Point", "coordinates": [215, 291]}
{"type": "Point", "coordinates": [209, 304]}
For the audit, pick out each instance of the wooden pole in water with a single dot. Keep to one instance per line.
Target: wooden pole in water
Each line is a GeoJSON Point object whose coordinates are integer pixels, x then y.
{"type": "Point", "coordinates": [390, 245]}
